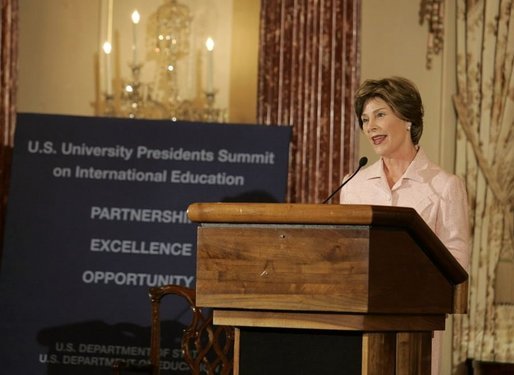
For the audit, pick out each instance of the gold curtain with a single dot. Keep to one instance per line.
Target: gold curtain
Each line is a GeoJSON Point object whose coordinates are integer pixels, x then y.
{"type": "Point", "coordinates": [8, 70]}
{"type": "Point", "coordinates": [308, 72]}
{"type": "Point", "coordinates": [485, 158]}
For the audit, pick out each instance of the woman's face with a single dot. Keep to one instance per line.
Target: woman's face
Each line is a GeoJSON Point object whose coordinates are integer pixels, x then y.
{"type": "Point", "coordinates": [388, 134]}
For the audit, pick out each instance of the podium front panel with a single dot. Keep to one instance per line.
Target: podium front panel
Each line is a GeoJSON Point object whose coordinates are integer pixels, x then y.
{"type": "Point", "coordinates": [283, 267]}
{"type": "Point", "coordinates": [328, 268]}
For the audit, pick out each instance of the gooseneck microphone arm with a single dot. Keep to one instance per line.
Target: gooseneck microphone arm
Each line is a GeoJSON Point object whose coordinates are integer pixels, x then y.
{"type": "Point", "coordinates": [362, 162]}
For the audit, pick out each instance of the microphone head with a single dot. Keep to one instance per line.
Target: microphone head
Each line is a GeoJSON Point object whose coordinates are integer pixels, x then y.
{"type": "Point", "coordinates": [363, 161]}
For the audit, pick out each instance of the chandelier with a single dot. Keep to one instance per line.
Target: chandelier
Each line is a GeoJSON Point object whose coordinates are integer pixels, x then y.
{"type": "Point", "coordinates": [168, 35]}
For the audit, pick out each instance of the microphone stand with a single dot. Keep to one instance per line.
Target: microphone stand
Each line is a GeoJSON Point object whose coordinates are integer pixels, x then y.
{"type": "Point", "coordinates": [362, 162]}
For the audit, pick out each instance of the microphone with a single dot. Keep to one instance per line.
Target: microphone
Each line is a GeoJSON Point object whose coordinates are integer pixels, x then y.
{"type": "Point", "coordinates": [362, 162]}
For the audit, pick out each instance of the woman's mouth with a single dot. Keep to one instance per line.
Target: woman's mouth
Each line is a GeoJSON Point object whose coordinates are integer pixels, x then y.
{"type": "Point", "coordinates": [378, 139]}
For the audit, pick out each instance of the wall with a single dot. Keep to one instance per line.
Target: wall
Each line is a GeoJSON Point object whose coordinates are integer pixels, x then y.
{"type": "Point", "coordinates": [244, 61]}
{"type": "Point", "coordinates": [58, 40]}
{"type": "Point", "coordinates": [394, 43]}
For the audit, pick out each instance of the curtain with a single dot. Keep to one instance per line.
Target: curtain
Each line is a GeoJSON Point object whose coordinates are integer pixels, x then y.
{"type": "Point", "coordinates": [308, 73]}
{"type": "Point", "coordinates": [8, 70]}
{"type": "Point", "coordinates": [485, 110]}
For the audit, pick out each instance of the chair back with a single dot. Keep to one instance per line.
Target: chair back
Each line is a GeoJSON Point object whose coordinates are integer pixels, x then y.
{"type": "Point", "coordinates": [206, 348]}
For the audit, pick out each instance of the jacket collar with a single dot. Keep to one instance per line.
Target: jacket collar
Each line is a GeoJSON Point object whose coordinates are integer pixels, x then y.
{"type": "Point", "coordinates": [414, 171]}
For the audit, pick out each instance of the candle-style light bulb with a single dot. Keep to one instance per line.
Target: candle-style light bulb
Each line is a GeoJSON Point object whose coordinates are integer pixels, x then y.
{"type": "Point", "coordinates": [136, 17]}
{"type": "Point", "coordinates": [107, 48]}
{"type": "Point", "coordinates": [209, 44]}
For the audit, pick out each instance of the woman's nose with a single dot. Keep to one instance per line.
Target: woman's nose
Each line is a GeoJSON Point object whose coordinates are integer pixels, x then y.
{"type": "Point", "coordinates": [370, 126]}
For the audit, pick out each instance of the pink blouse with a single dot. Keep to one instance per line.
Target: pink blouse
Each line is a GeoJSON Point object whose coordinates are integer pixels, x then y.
{"type": "Point", "coordinates": [438, 197]}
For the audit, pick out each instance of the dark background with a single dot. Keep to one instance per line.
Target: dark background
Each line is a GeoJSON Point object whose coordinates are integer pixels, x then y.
{"type": "Point", "coordinates": [47, 313]}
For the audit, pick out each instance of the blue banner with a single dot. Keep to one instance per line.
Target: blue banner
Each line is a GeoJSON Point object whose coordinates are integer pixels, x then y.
{"type": "Point", "coordinates": [97, 215]}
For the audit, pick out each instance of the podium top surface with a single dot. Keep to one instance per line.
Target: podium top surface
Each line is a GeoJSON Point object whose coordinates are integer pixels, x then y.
{"type": "Point", "coordinates": [405, 218]}
{"type": "Point", "coordinates": [295, 213]}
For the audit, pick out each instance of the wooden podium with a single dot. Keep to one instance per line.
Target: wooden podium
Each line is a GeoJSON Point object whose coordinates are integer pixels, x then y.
{"type": "Point", "coordinates": [363, 286]}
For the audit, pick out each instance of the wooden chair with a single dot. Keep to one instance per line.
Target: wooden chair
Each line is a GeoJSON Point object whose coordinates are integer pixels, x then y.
{"type": "Point", "coordinates": [206, 348]}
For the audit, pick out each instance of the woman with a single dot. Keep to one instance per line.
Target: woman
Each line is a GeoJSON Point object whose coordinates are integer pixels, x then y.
{"type": "Point", "coordinates": [390, 113]}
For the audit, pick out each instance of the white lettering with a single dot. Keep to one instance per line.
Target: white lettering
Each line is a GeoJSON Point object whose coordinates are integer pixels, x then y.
{"type": "Point", "coordinates": [141, 247]}
{"type": "Point", "coordinates": [179, 154]}
{"type": "Point", "coordinates": [144, 215]}
{"type": "Point", "coordinates": [225, 156]}
{"type": "Point", "coordinates": [135, 279]}
{"type": "Point", "coordinates": [221, 178]}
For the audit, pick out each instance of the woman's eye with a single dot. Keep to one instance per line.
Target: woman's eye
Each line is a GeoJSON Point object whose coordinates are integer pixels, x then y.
{"type": "Point", "coordinates": [364, 120]}
{"type": "Point", "coordinates": [380, 114]}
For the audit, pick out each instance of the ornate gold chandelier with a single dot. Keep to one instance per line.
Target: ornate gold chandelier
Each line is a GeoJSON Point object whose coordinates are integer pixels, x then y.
{"type": "Point", "coordinates": [168, 36]}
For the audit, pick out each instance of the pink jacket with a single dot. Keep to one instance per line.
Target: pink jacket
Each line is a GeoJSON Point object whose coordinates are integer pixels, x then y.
{"type": "Point", "coordinates": [438, 197]}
